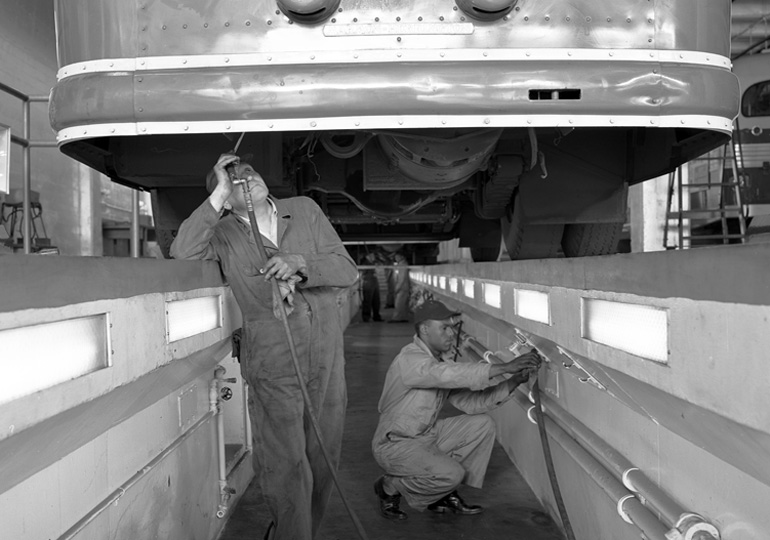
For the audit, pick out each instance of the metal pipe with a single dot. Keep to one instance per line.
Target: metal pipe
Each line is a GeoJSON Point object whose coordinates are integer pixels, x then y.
{"type": "Point", "coordinates": [629, 507]}
{"type": "Point", "coordinates": [673, 515]}
{"type": "Point", "coordinates": [15, 93]}
{"type": "Point", "coordinates": [135, 252]}
{"type": "Point", "coordinates": [215, 407]}
{"type": "Point", "coordinates": [115, 496]}
{"type": "Point", "coordinates": [246, 420]}
{"type": "Point", "coordinates": [26, 185]}
{"type": "Point", "coordinates": [632, 477]}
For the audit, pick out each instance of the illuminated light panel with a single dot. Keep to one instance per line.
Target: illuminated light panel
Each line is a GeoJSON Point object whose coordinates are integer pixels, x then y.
{"type": "Point", "coordinates": [469, 288]}
{"type": "Point", "coordinates": [43, 355]}
{"type": "Point", "coordinates": [453, 284]}
{"type": "Point", "coordinates": [532, 305]}
{"type": "Point", "coordinates": [185, 318]}
{"type": "Point", "coordinates": [633, 328]}
{"type": "Point", "coordinates": [5, 159]}
{"type": "Point", "coordinates": [434, 280]}
{"type": "Point", "coordinates": [492, 295]}
{"type": "Point", "coordinates": [442, 282]}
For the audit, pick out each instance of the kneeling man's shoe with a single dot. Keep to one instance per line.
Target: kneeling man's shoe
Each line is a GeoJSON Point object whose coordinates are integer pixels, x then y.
{"type": "Point", "coordinates": [453, 503]}
{"type": "Point", "coordinates": [388, 503]}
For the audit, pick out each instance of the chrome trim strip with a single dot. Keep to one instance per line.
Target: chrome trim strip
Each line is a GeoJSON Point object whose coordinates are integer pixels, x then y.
{"type": "Point", "coordinates": [159, 63]}
{"type": "Point", "coordinates": [714, 123]}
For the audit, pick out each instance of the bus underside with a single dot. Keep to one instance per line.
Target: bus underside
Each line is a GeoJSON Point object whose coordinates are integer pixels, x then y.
{"type": "Point", "coordinates": [544, 191]}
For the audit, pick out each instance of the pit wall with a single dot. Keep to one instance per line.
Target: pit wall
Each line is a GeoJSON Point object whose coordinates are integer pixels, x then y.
{"type": "Point", "coordinates": [129, 450]}
{"type": "Point", "coordinates": [693, 424]}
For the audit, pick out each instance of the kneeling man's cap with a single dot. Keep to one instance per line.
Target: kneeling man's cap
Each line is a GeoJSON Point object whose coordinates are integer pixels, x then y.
{"type": "Point", "coordinates": [433, 310]}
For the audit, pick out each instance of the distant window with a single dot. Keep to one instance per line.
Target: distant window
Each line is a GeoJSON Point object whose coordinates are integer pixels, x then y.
{"type": "Point", "coordinates": [756, 100]}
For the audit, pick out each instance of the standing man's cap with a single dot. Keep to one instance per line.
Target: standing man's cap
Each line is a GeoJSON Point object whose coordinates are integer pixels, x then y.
{"type": "Point", "coordinates": [433, 310]}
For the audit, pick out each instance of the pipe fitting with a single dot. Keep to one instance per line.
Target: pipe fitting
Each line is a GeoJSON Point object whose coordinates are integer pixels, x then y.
{"type": "Point", "coordinates": [622, 513]}
{"type": "Point", "coordinates": [627, 481]}
{"type": "Point", "coordinates": [692, 526]}
{"type": "Point", "coordinates": [531, 414]}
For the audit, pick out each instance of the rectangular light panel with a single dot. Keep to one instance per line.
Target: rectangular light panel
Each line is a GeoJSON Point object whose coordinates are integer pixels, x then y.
{"type": "Point", "coordinates": [453, 284]}
{"type": "Point", "coordinates": [442, 282]}
{"type": "Point", "coordinates": [532, 305]}
{"type": "Point", "coordinates": [43, 355]}
{"type": "Point", "coordinates": [634, 328]}
{"type": "Point", "coordinates": [5, 159]}
{"type": "Point", "coordinates": [469, 288]}
{"type": "Point", "coordinates": [185, 318]}
{"type": "Point", "coordinates": [492, 295]}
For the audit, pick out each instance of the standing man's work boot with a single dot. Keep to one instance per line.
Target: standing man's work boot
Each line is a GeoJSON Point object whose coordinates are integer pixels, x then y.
{"type": "Point", "coordinates": [388, 503]}
{"type": "Point", "coordinates": [453, 503]}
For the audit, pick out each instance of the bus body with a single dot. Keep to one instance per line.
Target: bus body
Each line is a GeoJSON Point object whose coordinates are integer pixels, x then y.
{"type": "Point", "coordinates": [408, 121]}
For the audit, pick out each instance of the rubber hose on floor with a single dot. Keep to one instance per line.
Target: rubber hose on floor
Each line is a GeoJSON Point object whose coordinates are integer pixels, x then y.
{"type": "Point", "coordinates": [295, 361]}
{"type": "Point", "coordinates": [549, 463]}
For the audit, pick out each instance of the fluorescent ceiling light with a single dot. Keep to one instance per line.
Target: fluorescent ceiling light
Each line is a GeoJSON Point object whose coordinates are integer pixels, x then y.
{"type": "Point", "coordinates": [532, 305]}
{"type": "Point", "coordinates": [637, 329]}
{"type": "Point", "coordinates": [43, 355]}
{"type": "Point", "coordinates": [185, 318]}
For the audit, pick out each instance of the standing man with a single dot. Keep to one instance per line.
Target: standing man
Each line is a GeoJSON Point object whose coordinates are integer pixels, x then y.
{"type": "Point", "coordinates": [424, 458]}
{"type": "Point", "coordinates": [401, 290]}
{"type": "Point", "coordinates": [370, 288]}
{"type": "Point", "coordinates": [308, 258]}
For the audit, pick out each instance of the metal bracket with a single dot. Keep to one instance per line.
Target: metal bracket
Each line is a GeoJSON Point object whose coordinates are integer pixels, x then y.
{"type": "Point", "coordinates": [574, 363]}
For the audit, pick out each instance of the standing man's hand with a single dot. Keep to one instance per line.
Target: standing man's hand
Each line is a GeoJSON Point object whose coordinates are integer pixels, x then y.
{"type": "Point", "coordinates": [224, 187]}
{"type": "Point", "coordinates": [285, 265]}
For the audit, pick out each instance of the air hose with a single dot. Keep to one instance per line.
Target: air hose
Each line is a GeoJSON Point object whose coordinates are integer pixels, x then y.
{"type": "Point", "coordinates": [549, 462]}
{"type": "Point", "coordinates": [482, 354]}
{"type": "Point", "coordinates": [293, 351]}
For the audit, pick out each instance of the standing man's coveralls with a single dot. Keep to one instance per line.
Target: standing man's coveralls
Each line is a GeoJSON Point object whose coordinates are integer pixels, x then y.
{"type": "Point", "coordinates": [401, 291]}
{"type": "Point", "coordinates": [370, 301]}
{"type": "Point", "coordinates": [292, 473]}
{"type": "Point", "coordinates": [428, 458]}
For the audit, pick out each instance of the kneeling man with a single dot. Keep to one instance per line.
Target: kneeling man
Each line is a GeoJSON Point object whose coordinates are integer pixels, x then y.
{"type": "Point", "coordinates": [424, 458]}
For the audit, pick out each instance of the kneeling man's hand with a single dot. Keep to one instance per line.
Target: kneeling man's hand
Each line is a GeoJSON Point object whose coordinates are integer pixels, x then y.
{"type": "Point", "coordinates": [520, 367]}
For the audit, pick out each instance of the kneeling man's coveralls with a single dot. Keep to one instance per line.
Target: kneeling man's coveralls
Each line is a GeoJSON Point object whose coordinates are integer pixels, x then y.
{"type": "Point", "coordinates": [428, 458]}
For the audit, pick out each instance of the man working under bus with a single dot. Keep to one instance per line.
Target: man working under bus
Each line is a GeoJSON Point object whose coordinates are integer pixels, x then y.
{"type": "Point", "coordinates": [425, 458]}
{"type": "Point", "coordinates": [308, 258]}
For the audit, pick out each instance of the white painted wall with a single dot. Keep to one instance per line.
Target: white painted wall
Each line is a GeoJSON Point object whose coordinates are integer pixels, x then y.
{"type": "Point", "coordinates": [72, 194]}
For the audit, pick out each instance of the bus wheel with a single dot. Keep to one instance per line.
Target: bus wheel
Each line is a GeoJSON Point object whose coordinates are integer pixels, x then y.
{"type": "Point", "coordinates": [589, 239]}
{"type": "Point", "coordinates": [488, 250]}
{"type": "Point", "coordinates": [527, 241]}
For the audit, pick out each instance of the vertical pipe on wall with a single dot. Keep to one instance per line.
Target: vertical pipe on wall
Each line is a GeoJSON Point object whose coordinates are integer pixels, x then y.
{"type": "Point", "coordinates": [26, 183]}
{"type": "Point", "coordinates": [215, 406]}
{"type": "Point", "coordinates": [246, 420]}
{"type": "Point", "coordinates": [135, 252]}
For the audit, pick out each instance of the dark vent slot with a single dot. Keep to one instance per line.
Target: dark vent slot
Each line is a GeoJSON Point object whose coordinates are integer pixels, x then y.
{"type": "Point", "coordinates": [544, 95]}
